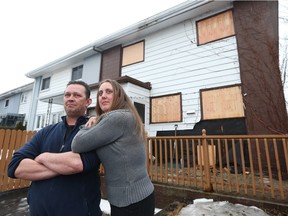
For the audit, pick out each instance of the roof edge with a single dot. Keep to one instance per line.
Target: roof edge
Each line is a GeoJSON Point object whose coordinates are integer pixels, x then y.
{"type": "Point", "coordinates": [127, 79]}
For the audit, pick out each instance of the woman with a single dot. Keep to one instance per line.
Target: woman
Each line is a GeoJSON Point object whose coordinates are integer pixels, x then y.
{"type": "Point", "coordinates": [118, 137]}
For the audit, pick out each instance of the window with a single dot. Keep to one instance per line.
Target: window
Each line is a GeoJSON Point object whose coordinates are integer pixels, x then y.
{"type": "Point", "coordinates": [133, 53]}
{"type": "Point", "coordinates": [77, 73]}
{"type": "Point", "coordinates": [91, 111]}
{"type": "Point", "coordinates": [141, 110]}
{"type": "Point", "coordinates": [40, 121]}
{"type": "Point", "coordinates": [45, 83]}
{"type": "Point", "coordinates": [23, 98]}
{"type": "Point", "coordinates": [219, 103]}
{"type": "Point", "coordinates": [166, 109]}
{"type": "Point", "coordinates": [6, 103]}
{"type": "Point", "coordinates": [56, 117]}
{"type": "Point", "coordinates": [214, 28]}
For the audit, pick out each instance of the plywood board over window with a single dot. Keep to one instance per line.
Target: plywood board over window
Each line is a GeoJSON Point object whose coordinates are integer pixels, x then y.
{"type": "Point", "coordinates": [133, 53]}
{"type": "Point", "coordinates": [221, 103]}
{"type": "Point", "coordinates": [214, 28]}
{"type": "Point", "coordinates": [166, 109]}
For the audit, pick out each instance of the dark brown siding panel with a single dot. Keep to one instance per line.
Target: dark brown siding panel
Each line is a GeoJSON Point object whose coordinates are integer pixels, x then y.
{"type": "Point", "coordinates": [111, 63]}
{"type": "Point", "coordinates": [256, 28]}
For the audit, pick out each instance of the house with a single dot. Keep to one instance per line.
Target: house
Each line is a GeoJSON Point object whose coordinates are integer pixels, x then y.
{"type": "Point", "coordinates": [200, 64]}
{"type": "Point", "coordinates": [201, 58]}
{"type": "Point", "coordinates": [15, 105]}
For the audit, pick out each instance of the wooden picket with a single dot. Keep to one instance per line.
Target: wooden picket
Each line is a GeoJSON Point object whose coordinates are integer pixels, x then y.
{"type": "Point", "coordinates": [11, 140]}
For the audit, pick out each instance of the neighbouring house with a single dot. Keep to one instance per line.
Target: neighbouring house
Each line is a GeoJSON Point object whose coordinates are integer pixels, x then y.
{"type": "Point", "coordinates": [14, 106]}
{"type": "Point", "coordinates": [210, 65]}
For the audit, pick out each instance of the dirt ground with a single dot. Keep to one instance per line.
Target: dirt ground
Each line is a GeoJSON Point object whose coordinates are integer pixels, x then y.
{"type": "Point", "coordinates": [14, 203]}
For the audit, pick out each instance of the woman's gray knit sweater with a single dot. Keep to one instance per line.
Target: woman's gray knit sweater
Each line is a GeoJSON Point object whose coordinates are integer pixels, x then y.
{"type": "Point", "coordinates": [123, 155]}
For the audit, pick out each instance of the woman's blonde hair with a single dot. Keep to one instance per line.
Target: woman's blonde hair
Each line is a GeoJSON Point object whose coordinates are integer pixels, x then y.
{"type": "Point", "coordinates": [122, 101]}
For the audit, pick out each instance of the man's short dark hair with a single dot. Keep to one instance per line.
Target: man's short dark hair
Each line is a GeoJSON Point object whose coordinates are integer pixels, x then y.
{"type": "Point", "coordinates": [84, 84]}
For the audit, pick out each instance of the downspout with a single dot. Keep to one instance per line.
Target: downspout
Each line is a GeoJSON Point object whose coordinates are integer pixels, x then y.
{"type": "Point", "coordinates": [33, 105]}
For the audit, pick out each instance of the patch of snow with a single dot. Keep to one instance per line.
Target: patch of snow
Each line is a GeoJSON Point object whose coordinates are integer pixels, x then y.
{"type": "Point", "coordinates": [105, 206]}
{"type": "Point", "coordinates": [208, 207]}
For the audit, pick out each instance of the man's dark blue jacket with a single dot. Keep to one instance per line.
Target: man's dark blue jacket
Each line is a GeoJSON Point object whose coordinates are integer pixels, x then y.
{"type": "Point", "coordinates": [71, 195]}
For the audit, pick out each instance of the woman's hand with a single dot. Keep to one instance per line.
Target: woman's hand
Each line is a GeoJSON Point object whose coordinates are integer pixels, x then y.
{"type": "Point", "coordinates": [91, 122]}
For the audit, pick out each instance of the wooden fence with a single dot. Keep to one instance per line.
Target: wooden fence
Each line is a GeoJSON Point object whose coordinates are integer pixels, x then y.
{"type": "Point", "coordinates": [10, 140]}
{"type": "Point", "coordinates": [247, 166]}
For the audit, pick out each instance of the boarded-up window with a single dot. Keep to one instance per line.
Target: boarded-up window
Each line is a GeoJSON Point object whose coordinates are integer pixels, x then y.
{"type": "Point", "coordinates": [215, 28]}
{"type": "Point", "coordinates": [166, 109]}
{"type": "Point", "coordinates": [133, 54]}
{"type": "Point", "coordinates": [222, 103]}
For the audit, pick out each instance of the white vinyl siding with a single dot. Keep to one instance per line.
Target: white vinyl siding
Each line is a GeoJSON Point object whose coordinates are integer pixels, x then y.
{"type": "Point", "coordinates": [174, 63]}
{"type": "Point", "coordinates": [24, 108]}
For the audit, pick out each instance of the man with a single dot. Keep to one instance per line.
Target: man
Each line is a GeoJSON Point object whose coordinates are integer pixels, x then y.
{"type": "Point", "coordinates": [63, 182]}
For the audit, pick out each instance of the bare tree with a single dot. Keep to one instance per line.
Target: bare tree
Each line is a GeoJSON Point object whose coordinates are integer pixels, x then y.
{"type": "Point", "coordinates": [283, 45]}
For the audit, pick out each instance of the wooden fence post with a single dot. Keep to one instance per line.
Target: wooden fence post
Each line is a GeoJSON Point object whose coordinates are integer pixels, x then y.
{"type": "Point", "coordinates": [208, 186]}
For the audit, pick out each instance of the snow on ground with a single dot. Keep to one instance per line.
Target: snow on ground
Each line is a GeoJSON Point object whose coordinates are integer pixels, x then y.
{"type": "Point", "coordinates": [105, 206]}
{"type": "Point", "coordinates": [208, 207]}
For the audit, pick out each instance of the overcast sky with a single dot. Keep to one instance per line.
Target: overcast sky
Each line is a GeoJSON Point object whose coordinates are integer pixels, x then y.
{"type": "Point", "coordinates": [36, 32]}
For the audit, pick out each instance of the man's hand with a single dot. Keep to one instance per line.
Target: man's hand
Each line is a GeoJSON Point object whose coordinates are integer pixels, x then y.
{"type": "Point", "coordinates": [65, 163]}
{"type": "Point", "coordinates": [31, 170]}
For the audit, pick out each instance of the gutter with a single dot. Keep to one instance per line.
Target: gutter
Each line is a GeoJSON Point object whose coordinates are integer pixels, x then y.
{"type": "Point", "coordinates": [153, 20]}
{"type": "Point", "coordinates": [60, 60]}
